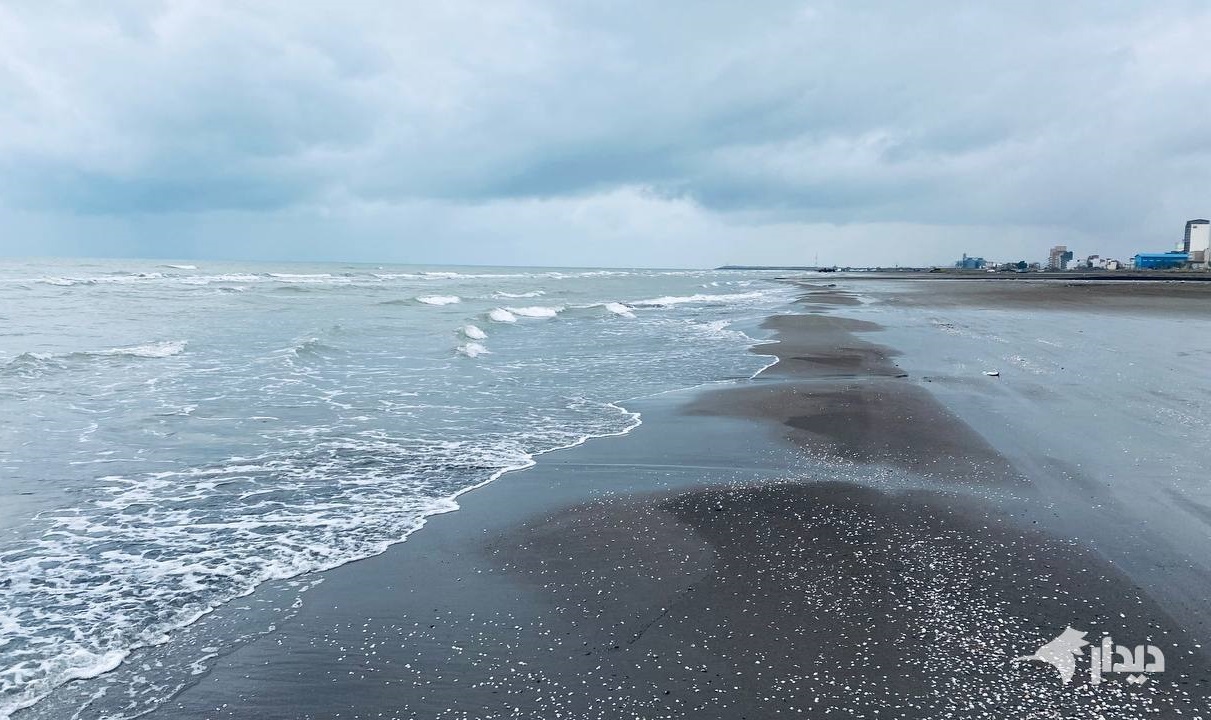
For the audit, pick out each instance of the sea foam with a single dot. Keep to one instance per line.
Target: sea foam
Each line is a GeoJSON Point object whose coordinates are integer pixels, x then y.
{"type": "Point", "coordinates": [315, 463]}
{"type": "Point", "coordinates": [514, 296]}
{"type": "Point", "coordinates": [619, 309]}
{"type": "Point", "coordinates": [670, 300]}
{"type": "Point", "coordinates": [167, 348]}
{"type": "Point", "coordinates": [536, 311]}
{"type": "Point", "coordinates": [439, 299]}
{"type": "Point", "coordinates": [473, 350]}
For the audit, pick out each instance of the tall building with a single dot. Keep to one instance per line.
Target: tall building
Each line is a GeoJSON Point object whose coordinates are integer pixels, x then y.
{"type": "Point", "coordinates": [1059, 257]}
{"type": "Point", "coordinates": [1196, 243]}
{"type": "Point", "coordinates": [1197, 231]}
{"type": "Point", "coordinates": [1198, 236]}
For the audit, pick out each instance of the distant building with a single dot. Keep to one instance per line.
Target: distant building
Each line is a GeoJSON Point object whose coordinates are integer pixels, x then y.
{"type": "Point", "coordinates": [1161, 261]}
{"type": "Point", "coordinates": [970, 263]}
{"type": "Point", "coordinates": [1059, 257]}
{"type": "Point", "coordinates": [1198, 236]}
{"type": "Point", "coordinates": [1197, 242]}
{"type": "Point", "coordinates": [1091, 262]}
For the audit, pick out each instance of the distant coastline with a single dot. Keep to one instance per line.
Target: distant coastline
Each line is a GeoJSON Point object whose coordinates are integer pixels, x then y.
{"type": "Point", "coordinates": [944, 273]}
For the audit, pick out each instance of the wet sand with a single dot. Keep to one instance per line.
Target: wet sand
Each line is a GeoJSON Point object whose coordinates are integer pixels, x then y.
{"type": "Point", "coordinates": [827, 540]}
{"type": "Point", "coordinates": [1102, 296]}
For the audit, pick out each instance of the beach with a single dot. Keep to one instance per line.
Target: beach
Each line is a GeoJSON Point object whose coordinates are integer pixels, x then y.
{"type": "Point", "coordinates": [593, 361]}
{"type": "Point", "coordinates": [858, 531]}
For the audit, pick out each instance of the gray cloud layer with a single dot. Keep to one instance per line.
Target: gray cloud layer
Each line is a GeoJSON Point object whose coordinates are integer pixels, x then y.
{"type": "Point", "coordinates": [730, 130]}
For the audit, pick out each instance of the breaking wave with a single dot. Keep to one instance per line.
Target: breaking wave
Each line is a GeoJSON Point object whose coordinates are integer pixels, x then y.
{"type": "Point", "coordinates": [439, 299]}
{"type": "Point", "coordinates": [619, 309]}
{"type": "Point", "coordinates": [168, 348]}
{"type": "Point", "coordinates": [30, 364]}
{"type": "Point", "coordinates": [701, 298]}
{"type": "Point", "coordinates": [501, 315]}
{"type": "Point", "coordinates": [514, 296]}
{"type": "Point", "coordinates": [473, 350]}
{"type": "Point", "coordinates": [536, 311]}
{"type": "Point", "coordinates": [337, 428]}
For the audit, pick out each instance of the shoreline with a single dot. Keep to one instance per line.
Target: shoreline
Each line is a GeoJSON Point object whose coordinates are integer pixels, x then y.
{"type": "Point", "coordinates": [742, 551]}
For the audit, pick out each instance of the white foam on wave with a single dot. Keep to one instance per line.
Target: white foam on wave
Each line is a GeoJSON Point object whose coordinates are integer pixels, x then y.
{"type": "Point", "coordinates": [309, 278]}
{"type": "Point", "coordinates": [444, 275]}
{"type": "Point", "coordinates": [535, 311]}
{"type": "Point", "coordinates": [721, 329]}
{"type": "Point", "coordinates": [619, 309]}
{"type": "Point", "coordinates": [473, 350]}
{"type": "Point", "coordinates": [514, 296]}
{"type": "Point", "coordinates": [283, 512]}
{"type": "Point", "coordinates": [33, 364]}
{"type": "Point", "coordinates": [166, 572]}
{"type": "Point", "coordinates": [472, 332]}
{"type": "Point", "coordinates": [220, 279]}
{"type": "Point", "coordinates": [167, 348]}
{"type": "Point", "coordinates": [397, 276]}
{"type": "Point", "coordinates": [670, 300]}
{"type": "Point", "coordinates": [113, 279]}
{"type": "Point", "coordinates": [79, 664]}
{"type": "Point", "coordinates": [182, 267]}
{"type": "Point", "coordinates": [439, 299]}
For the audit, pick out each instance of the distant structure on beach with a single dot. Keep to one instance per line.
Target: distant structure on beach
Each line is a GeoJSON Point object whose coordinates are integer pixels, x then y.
{"type": "Point", "coordinates": [1193, 252]}
{"type": "Point", "coordinates": [1059, 257]}
{"type": "Point", "coordinates": [1197, 241]}
{"type": "Point", "coordinates": [1198, 235]}
{"type": "Point", "coordinates": [970, 263]}
{"type": "Point", "coordinates": [1171, 260]}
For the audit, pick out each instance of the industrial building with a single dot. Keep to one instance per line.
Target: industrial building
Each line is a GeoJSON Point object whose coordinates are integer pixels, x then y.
{"type": "Point", "coordinates": [970, 263]}
{"type": "Point", "coordinates": [1161, 261]}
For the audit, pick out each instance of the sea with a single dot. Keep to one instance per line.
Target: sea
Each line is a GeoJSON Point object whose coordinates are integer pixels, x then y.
{"type": "Point", "coordinates": [174, 436]}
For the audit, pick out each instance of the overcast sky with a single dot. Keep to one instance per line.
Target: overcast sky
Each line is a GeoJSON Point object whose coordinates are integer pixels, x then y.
{"type": "Point", "coordinates": [653, 133]}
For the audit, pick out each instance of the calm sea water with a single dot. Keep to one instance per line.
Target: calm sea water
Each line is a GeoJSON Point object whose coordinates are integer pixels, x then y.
{"type": "Point", "coordinates": [173, 436]}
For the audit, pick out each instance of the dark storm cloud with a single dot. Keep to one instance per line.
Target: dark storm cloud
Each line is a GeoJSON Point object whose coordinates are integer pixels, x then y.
{"type": "Point", "coordinates": [1081, 114]}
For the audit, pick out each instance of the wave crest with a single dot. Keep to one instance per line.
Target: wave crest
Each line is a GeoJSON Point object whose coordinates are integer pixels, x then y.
{"type": "Point", "coordinates": [439, 299]}
{"type": "Point", "coordinates": [473, 350]}
{"type": "Point", "coordinates": [535, 311]}
{"type": "Point", "coordinates": [619, 309]}
{"type": "Point", "coordinates": [702, 298]}
{"type": "Point", "coordinates": [167, 348]}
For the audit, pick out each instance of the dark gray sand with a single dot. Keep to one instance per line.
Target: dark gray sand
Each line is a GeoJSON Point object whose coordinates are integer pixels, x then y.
{"type": "Point", "coordinates": [832, 598]}
{"type": "Point", "coordinates": [1170, 297]}
{"type": "Point", "coordinates": [878, 565]}
{"type": "Point", "coordinates": [843, 397]}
